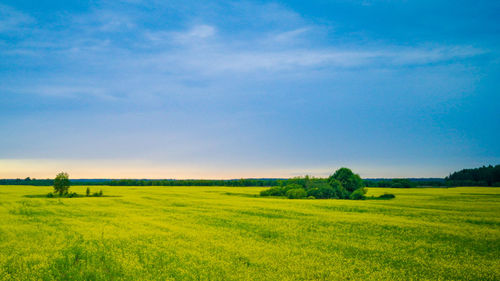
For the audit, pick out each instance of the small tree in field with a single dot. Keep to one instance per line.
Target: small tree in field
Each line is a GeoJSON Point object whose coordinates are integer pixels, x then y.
{"type": "Point", "coordinates": [61, 183]}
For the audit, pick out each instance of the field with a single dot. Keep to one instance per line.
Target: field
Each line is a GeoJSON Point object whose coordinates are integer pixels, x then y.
{"type": "Point", "coordinates": [227, 233]}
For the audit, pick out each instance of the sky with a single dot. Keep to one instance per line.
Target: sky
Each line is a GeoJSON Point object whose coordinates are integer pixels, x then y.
{"type": "Point", "coordinates": [237, 89]}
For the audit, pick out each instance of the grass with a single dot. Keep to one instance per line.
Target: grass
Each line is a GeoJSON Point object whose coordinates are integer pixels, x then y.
{"type": "Point", "coordinates": [227, 233]}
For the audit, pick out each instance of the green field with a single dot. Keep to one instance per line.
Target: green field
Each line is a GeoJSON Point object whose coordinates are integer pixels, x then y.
{"type": "Point", "coordinates": [227, 233]}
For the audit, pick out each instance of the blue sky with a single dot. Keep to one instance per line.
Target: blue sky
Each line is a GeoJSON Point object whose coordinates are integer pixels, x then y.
{"type": "Point", "coordinates": [230, 89]}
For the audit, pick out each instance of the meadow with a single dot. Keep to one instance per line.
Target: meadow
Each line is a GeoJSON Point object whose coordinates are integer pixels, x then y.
{"type": "Point", "coordinates": [229, 233]}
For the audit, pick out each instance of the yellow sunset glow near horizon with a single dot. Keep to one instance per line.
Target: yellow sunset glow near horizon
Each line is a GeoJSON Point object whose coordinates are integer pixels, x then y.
{"type": "Point", "coordinates": [142, 169]}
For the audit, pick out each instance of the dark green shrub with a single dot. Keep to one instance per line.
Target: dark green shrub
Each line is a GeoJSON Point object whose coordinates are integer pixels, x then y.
{"type": "Point", "coordinates": [323, 192]}
{"type": "Point", "coordinates": [387, 196]}
{"type": "Point", "coordinates": [265, 192]}
{"type": "Point", "coordinates": [314, 192]}
{"type": "Point", "coordinates": [338, 190]}
{"type": "Point", "coordinates": [274, 191]}
{"type": "Point", "coordinates": [100, 193]}
{"type": "Point", "coordinates": [296, 193]}
{"type": "Point", "coordinates": [50, 195]}
{"type": "Point", "coordinates": [290, 187]}
{"type": "Point", "coordinates": [318, 184]}
{"type": "Point", "coordinates": [71, 195]}
{"type": "Point", "coordinates": [311, 197]}
{"type": "Point", "coordinates": [87, 192]}
{"type": "Point", "coordinates": [331, 192]}
{"type": "Point", "coordinates": [279, 190]}
{"type": "Point", "coordinates": [358, 194]}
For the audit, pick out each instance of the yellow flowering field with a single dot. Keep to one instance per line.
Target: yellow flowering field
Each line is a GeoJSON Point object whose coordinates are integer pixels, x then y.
{"type": "Point", "coordinates": [229, 233]}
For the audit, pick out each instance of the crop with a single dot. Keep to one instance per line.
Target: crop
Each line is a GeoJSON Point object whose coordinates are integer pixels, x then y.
{"type": "Point", "coordinates": [231, 233]}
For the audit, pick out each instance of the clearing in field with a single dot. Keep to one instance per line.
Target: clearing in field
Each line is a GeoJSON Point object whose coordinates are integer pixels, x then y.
{"type": "Point", "coordinates": [228, 233]}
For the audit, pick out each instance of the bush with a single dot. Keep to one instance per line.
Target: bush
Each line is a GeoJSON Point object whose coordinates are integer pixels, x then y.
{"type": "Point", "coordinates": [288, 187]}
{"type": "Point", "coordinates": [296, 193]}
{"type": "Point", "coordinates": [358, 194]}
{"type": "Point", "coordinates": [100, 193]}
{"type": "Point", "coordinates": [336, 190]}
{"type": "Point", "coordinates": [279, 190]}
{"type": "Point", "coordinates": [322, 190]}
{"type": "Point", "coordinates": [311, 197]}
{"type": "Point", "coordinates": [50, 195]}
{"type": "Point", "coordinates": [387, 196]}
{"type": "Point", "coordinates": [87, 192]}
{"type": "Point", "coordinates": [343, 184]}
{"type": "Point", "coordinates": [314, 192]}
{"type": "Point", "coordinates": [71, 195]}
{"type": "Point", "coordinates": [274, 191]}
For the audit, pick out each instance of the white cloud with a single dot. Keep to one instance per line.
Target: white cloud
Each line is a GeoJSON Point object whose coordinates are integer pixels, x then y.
{"type": "Point", "coordinates": [290, 35]}
{"type": "Point", "coordinates": [187, 74]}
{"type": "Point", "coordinates": [218, 58]}
{"type": "Point", "coordinates": [277, 52]}
{"type": "Point", "coordinates": [201, 31]}
{"type": "Point", "coordinates": [195, 36]}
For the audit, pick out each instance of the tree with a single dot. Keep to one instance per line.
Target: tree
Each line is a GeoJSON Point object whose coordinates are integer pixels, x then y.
{"type": "Point", "coordinates": [349, 180]}
{"type": "Point", "coordinates": [358, 194]}
{"type": "Point", "coordinates": [345, 182]}
{"type": "Point", "coordinates": [61, 183]}
{"type": "Point", "coordinates": [338, 189]}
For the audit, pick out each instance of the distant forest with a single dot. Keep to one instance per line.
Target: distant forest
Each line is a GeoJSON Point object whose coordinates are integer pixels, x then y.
{"type": "Point", "coordinates": [147, 182]}
{"type": "Point", "coordinates": [483, 176]}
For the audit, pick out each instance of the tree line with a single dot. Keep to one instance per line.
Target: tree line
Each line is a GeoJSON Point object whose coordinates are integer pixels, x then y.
{"type": "Point", "coordinates": [482, 176]}
{"type": "Point", "coordinates": [405, 183]}
{"type": "Point", "coordinates": [146, 182]}
{"type": "Point", "coordinates": [397, 183]}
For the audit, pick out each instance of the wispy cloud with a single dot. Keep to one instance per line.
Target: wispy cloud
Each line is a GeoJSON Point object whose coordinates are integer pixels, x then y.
{"type": "Point", "coordinates": [164, 60]}
{"type": "Point", "coordinates": [192, 37]}
{"type": "Point", "coordinates": [12, 19]}
{"type": "Point", "coordinates": [291, 35]}
{"type": "Point", "coordinates": [215, 60]}
{"type": "Point", "coordinates": [112, 55]}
